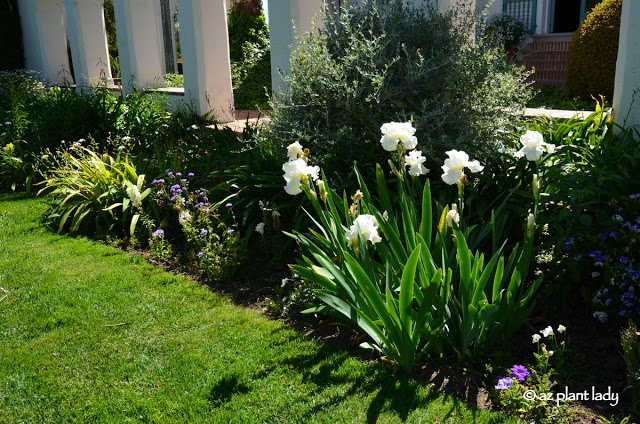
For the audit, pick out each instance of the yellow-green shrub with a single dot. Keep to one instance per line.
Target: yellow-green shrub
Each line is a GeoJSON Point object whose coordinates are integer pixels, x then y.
{"type": "Point", "coordinates": [593, 52]}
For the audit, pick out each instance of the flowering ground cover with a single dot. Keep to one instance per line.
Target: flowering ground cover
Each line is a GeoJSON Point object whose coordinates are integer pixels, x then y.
{"type": "Point", "coordinates": [92, 334]}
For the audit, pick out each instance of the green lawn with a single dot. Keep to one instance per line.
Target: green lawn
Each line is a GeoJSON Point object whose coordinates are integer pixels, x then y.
{"type": "Point", "coordinates": [185, 354]}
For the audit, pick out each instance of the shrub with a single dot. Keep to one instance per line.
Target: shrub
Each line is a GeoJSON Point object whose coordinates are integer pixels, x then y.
{"type": "Point", "coordinates": [593, 52]}
{"type": "Point", "coordinates": [383, 62]}
{"type": "Point", "coordinates": [505, 31]}
{"type": "Point", "coordinates": [250, 57]}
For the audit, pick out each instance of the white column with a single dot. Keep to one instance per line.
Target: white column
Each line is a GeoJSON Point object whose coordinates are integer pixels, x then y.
{"type": "Point", "coordinates": [283, 15]}
{"type": "Point", "coordinates": [444, 5]}
{"type": "Point", "coordinates": [88, 39]}
{"type": "Point", "coordinates": [543, 17]}
{"type": "Point", "coordinates": [172, 6]}
{"type": "Point", "coordinates": [626, 93]}
{"type": "Point", "coordinates": [44, 39]}
{"type": "Point", "coordinates": [140, 43]}
{"type": "Point", "coordinates": [204, 42]}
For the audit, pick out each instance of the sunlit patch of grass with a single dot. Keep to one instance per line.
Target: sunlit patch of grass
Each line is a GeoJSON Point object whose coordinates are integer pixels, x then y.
{"type": "Point", "coordinates": [91, 334]}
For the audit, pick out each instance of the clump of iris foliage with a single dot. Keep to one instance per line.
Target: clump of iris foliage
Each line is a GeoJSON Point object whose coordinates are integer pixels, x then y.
{"type": "Point", "coordinates": [382, 62]}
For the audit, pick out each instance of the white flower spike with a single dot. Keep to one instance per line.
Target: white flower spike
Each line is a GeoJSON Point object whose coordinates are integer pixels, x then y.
{"type": "Point", "coordinates": [533, 146]}
{"type": "Point", "coordinates": [365, 225]}
{"type": "Point", "coordinates": [294, 151]}
{"type": "Point", "coordinates": [415, 162]}
{"type": "Point", "coordinates": [454, 166]}
{"type": "Point", "coordinates": [297, 172]}
{"type": "Point", "coordinates": [398, 132]}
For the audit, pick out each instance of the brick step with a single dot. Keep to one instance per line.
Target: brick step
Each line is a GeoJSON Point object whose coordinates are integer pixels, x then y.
{"type": "Point", "coordinates": [545, 56]}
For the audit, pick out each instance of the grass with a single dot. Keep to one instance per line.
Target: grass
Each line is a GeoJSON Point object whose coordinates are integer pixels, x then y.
{"type": "Point", "coordinates": [182, 353]}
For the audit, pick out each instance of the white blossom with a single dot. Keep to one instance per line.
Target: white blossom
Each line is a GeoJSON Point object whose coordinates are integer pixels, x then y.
{"type": "Point", "coordinates": [134, 194]}
{"type": "Point", "coordinates": [533, 146]}
{"type": "Point", "coordinates": [535, 338]}
{"type": "Point", "coordinates": [294, 151]}
{"type": "Point", "coordinates": [398, 132]}
{"type": "Point", "coordinates": [184, 217]}
{"type": "Point", "coordinates": [454, 166]}
{"type": "Point", "coordinates": [260, 228]}
{"type": "Point", "coordinates": [547, 332]}
{"type": "Point", "coordinates": [365, 225]}
{"type": "Point", "coordinates": [453, 216]}
{"type": "Point", "coordinates": [561, 329]}
{"type": "Point", "coordinates": [415, 160]}
{"type": "Point", "coordinates": [297, 172]}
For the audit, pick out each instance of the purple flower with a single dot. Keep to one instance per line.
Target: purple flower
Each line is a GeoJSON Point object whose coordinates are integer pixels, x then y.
{"type": "Point", "coordinates": [204, 232]}
{"type": "Point", "coordinates": [190, 174]}
{"type": "Point", "coordinates": [184, 180]}
{"type": "Point", "coordinates": [200, 254]}
{"type": "Point", "coordinates": [613, 234]}
{"type": "Point", "coordinates": [157, 233]}
{"type": "Point", "coordinates": [228, 205]}
{"type": "Point", "coordinates": [178, 174]}
{"type": "Point", "coordinates": [602, 236]}
{"type": "Point", "coordinates": [230, 231]}
{"type": "Point", "coordinates": [170, 174]}
{"type": "Point", "coordinates": [618, 218]}
{"type": "Point", "coordinates": [635, 196]}
{"type": "Point", "coordinates": [624, 259]}
{"type": "Point", "coordinates": [158, 181]}
{"type": "Point", "coordinates": [607, 302]}
{"type": "Point", "coordinates": [503, 383]}
{"type": "Point", "coordinates": [519, 372]}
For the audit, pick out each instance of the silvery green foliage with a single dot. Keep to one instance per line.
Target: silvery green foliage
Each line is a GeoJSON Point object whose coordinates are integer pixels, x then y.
{"type": "Point", "coordinates": [381, 62]}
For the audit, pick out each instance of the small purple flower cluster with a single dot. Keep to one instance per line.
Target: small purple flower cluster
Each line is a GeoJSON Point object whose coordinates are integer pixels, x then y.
{"type": "Point", "coordinates": [519, 372]}
{"type": "Point", "coordinates": [615, 261]}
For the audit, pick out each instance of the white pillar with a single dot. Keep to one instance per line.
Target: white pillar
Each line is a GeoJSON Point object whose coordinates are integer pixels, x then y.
{"type": "Point", "coordinates": [445, 5]}
{"type": "Point", "coordinates": [88, 39]}
{"type": "Point", "coordinates": [204, 42]}
{"type": "Point", "coordinates": [626, 93]}
{"type": "Point", "coordinates": [44, 39]}
{"type": "Point", "coordinates": [140, 43]}
{"type": "Point", "coordinates": [283, 15]}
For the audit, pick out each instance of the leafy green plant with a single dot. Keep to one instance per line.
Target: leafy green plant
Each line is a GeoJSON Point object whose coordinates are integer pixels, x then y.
{"type": "Point", "coordinates": [529, 392]}
{"type": "Point", "coordinates": [505, 31]}
{"type": "Point", "coordinates": [209, 246]}
{"type": "Point", "coordinates": [93, 193]}
{"type": "Point", "coordinates": [630, 343]}
{"type": "Point", "coordinates": [416, 287]}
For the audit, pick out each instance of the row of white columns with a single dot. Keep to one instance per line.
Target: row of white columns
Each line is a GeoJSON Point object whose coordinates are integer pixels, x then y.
{"type": "Point", "coordinates": [205, 46]}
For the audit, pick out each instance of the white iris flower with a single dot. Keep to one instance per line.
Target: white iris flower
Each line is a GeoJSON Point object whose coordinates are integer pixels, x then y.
{"type": "Point", "coordinates": [533, 146]}
{"type": "Point", "coordinates": [454, 166]}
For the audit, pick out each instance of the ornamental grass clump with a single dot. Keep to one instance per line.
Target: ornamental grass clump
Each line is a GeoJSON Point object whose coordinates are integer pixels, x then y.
{"type": "Point", "coordinates": [401, 270]}
{"type": "Point", "coordinates": [94, 193]}
{"type": "Point", "coordinates": [381, 61]}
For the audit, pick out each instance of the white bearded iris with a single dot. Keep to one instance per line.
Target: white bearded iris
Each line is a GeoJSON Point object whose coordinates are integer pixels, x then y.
{"type": "Point", "coordinates": [297, 172]}
{"type": "Point", "coordinates": [415, 160]}
{"type": "Point", "coordinates": [453, 216]}
{"type": "Point", "coordinates": [365, 225]}
{"type": "Point", "coordinates": [533, 146]}
{"type": "Point", "coordinates": [453, 166]}
{"type": "Point", "coordinates": [294, 151]}
{"type": "Point", "coordinates": [398, 132]}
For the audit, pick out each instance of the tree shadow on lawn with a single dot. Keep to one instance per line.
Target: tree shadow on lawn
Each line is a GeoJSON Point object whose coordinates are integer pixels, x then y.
{"type": "Point", "coordinates": [391, 390]}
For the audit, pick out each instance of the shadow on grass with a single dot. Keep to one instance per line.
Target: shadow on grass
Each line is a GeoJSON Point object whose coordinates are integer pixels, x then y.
{"type": "Point", "coordinates": [224, 389]}
{"type": "Point", "coordinates": [383, 387]}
